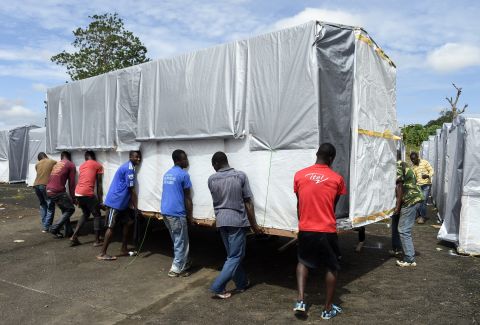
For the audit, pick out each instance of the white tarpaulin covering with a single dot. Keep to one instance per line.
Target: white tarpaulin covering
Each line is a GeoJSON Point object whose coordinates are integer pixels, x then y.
{"type": "Point", "coordinates": [3, 156]}
{"type": "Point", "coordinates": [453, 183]}
{"type": "Point", "coordinates": [469, 234]}
{"type": "Point", "coordinates": [373, 171]}
{"type": "Point", "coordinates": [268, 102]}
{"type": "Point", "coordinates": [18, 155]}
{"type": "Point", "coordinates": [126, 108]}
{"type": "Point", "coordinates": [431, 150]}
{"type": "Point", "coordinates": [461, 203]}
{"type": "Point", "coordinates": [96, 113]}
{"type": "Point", "coordinates": [442, 163]}
{"type": "Point", "coordinates": [90, 102]}
{"type": "Point", "coordinates": [282, 88]}
{"type": "Point", "coordinates": [53, 107]}
{"type": "Point", "coordinates": [194, 96]}
{"type": "Point", "coordinates": [436, 165]}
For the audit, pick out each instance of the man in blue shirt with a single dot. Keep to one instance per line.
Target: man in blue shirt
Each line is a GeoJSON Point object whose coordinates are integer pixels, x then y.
{"type": "Point", "coordinates": [176, 208]}
{"type": "Point", "coordinates": [120, 196]}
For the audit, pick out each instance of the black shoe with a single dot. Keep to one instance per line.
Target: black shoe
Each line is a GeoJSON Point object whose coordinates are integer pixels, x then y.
{"type": "Point", "coordinates": [395, 253]}
{"type": "Point", "coordinates": [56, 234]}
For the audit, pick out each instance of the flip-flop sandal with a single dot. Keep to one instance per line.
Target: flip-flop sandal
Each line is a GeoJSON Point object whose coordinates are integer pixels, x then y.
{"type": "Point", "coordinates": [106, 258]}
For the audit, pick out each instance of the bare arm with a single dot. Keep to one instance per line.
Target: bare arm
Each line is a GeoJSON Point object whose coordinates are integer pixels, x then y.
{"type": "Point", "coordinates": [133, 197]}
{"type": "Point", "coordinates": [335, 203]}
{"type": "Point", "coordinates": [399, 195]}
{"type": "Point", "coordinates": [188, 204]}
{"type": "Point", "coordinates": [251, 216]}
{"type": "Point", "coordinates": [71, 183]}
{"type": "Point", "coordinates": [298, 210]}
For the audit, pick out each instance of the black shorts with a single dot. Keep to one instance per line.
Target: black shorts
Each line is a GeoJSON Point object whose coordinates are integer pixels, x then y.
{"type": "Point", "coordinates": [115, 216]}
{"type": "Point", "coordinates": [318, 248]}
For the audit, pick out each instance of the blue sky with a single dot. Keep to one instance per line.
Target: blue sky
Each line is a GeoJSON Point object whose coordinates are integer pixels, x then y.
{"type": "Point", "coordinates": [432, 42]}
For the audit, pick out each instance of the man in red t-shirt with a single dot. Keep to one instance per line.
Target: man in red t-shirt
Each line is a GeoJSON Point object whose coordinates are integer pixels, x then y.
{"type": "Point", "coordinates": [318, 188]}
{"type": "Point", "coordinates": [64, 171]}
{"type": "Point", "coordinates": [90, 173]}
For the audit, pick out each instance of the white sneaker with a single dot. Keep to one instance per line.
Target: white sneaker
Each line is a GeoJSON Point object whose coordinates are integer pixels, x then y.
{"type": "Point", "coordinates": [406, 264]}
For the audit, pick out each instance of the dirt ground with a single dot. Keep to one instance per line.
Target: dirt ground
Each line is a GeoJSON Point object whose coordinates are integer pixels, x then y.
{"type": "Point", "coordinates": [45, 281]}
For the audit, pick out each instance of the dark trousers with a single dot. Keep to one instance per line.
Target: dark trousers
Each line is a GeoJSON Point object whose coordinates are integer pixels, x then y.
{"type": "Point", "coordinates": [65, 204]}
{"type": "Point", "coordinates": [89, 205]}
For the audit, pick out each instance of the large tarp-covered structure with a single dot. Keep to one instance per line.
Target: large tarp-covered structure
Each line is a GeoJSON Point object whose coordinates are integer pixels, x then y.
{"type": "Point", "coordinates": [268, 102]}
{"type": "Point", "coordinates": [461, 208]}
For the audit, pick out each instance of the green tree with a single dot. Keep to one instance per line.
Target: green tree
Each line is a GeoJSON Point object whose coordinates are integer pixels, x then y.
{"type": "Point", "coordinates": [415, 134]}
{"type": "Point", "coordinates": [105, 45]}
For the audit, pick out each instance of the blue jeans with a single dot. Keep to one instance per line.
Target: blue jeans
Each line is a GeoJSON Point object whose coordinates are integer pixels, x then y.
{"type": "Point", "coordinates": [422, 208]}
{"type": "Point", "coordinates": [396, 243]}
{"type": "Point", "coordinates": [405, 226]}
{"type": "Point", "coordinates": [178, 228]}
{"type": "Point", "coordinates": [66, 206]}
{"type": "Point", "coordinates": [47, 206]}
{"type": "Point", "coordinates": [234, 239]}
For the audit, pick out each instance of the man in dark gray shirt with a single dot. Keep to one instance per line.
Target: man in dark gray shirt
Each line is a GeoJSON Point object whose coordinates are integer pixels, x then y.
{"type": "Point", "coordinates": [234, 212]}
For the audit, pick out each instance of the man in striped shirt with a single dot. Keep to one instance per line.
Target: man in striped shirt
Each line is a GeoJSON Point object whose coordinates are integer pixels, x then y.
{"type": "Point", "coordinates": [423, 173]}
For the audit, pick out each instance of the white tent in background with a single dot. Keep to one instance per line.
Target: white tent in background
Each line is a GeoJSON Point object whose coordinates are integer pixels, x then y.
{"type": "Point", "coordinates": [4, 156]}
{"type": "Point", "coordinates": [442, 161]}
{"type": "Point", "coordinates": [461, 209]}
{"type": "Point", "coordinates": [14, 150]}
{"type": "Point", "coordinates": [268, 102]}
{"type": "Point", "coordinates": [431, 150]}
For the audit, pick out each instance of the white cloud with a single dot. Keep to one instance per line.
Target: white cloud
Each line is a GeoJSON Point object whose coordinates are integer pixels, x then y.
{"type": "Point", "coordinates": [18, 111]}
{"type": "Point", "coordinates": [30, 71]}
{"type": "Point", "coordinates": [40, 87]}
{"type": "Point", "coordinates": [25, 54]}
{"type": "Point", "coordinates": [326, 15]}
{"type": "Point", "coordinates": [454, 56]}
{"type": "Point", "coordinates": [14, 113]}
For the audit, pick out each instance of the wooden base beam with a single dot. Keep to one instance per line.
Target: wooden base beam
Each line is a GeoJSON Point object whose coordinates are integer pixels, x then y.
{"type": "Point", "coordinates": [211, 223]}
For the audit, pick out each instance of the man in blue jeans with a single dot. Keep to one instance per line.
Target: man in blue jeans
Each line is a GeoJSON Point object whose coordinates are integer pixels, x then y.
{"type": "Point", "coordinates": [232, 202]}
{"type": "Point", "coordinates": [44, 168]}
{"type": "Point", "coordinates": [409, 197]}
{"type": "Point", "coordinates": [176, 208]}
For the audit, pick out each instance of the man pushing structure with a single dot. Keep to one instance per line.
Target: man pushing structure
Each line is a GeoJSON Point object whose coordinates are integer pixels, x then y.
{"type": "Point", "coordinates": [121, 200]}
{"type": "Point", "coordinates": [318, 188]}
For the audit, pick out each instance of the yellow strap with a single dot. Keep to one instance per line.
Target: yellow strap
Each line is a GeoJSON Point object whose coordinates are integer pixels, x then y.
{"type": "Point", "coordinates": [387, 134]}
{"type": "Point", "coordinates": [365, 39]}
{"type": "Point", "coordinates": [377, 49]}
{"type": "Point", "coordinates": [373, 217]}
